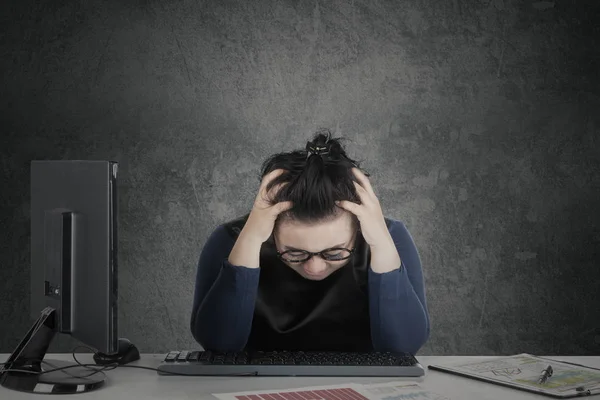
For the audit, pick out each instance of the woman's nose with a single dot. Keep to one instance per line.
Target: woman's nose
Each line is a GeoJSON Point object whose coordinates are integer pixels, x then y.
{"type": "Point", "coordinates": [316, 264]}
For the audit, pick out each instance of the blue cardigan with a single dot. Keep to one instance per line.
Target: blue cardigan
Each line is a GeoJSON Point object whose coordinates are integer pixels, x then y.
{"type": "Point", "coordinates": [225, 297]}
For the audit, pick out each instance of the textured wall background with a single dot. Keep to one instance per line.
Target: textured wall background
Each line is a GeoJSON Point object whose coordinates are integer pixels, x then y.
{"type": "Point", "coordinates": [478, 120]}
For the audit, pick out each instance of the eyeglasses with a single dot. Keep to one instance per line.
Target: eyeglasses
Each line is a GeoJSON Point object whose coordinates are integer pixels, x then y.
{"type": "Point", "coordinates": [333, 254]}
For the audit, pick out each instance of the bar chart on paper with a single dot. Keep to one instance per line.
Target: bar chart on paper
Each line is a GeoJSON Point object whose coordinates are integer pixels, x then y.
{"type": "Point", "coordinates": [323, 394]}
{"type": "Point", "coordinates": [352, 391]}
{"type": "Point", "coordinates": [345, 392]}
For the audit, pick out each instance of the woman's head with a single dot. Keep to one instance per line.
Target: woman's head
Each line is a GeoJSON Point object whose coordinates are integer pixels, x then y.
{"type": "Point", "coordinates": [314, 223]}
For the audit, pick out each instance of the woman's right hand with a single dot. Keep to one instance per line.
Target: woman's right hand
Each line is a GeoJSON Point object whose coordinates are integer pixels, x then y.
{"type": "Point", "coordinates": [261, 220]}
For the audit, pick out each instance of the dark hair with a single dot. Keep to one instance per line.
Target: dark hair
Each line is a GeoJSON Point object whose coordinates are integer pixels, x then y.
{"type": "Point", "coordinates": [316, 182]}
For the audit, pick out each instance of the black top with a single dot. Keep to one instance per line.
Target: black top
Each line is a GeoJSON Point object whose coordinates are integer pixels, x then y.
{"type": "Point", "coordinates": [294, 313]}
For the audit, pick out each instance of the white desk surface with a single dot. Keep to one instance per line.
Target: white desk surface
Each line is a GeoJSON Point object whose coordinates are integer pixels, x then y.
{"type": "Point", "coordinates": [135, 383]}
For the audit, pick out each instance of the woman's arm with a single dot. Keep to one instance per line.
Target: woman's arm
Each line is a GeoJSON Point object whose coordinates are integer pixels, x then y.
{"type": "Point", "coordinates": [224, 297]}
{"type": "Point", "coordinates": [397, 302]}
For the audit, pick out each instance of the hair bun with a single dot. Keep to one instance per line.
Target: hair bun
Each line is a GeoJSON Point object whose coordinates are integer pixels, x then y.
{"type": "Point", "coordinates": [317, 149]}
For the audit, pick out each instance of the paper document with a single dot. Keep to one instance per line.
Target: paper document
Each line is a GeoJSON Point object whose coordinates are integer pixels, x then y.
{"type": "Point", "coordinates": [525, 370]}
{"type": "Point", "coordinates": [349, 391]}
{"type": "Point", "coordinates": [337, 392]}
{"type": "Point", "coordinates": [399, 391]}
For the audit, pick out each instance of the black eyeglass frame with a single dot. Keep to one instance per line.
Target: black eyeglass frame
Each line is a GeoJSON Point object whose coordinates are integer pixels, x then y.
{"type": "Point", "coordinates": [319, 253]}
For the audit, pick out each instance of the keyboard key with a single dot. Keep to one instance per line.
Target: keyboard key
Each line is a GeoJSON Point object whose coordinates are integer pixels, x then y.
{"type": "Point", "coordinates": [172, 356]}
{"type": "Point", "coordinates": [183, 356]}
{"type": "Point", "coordinates": [194, 356]}
{"type": "Point", "coordinates": [229, 358]}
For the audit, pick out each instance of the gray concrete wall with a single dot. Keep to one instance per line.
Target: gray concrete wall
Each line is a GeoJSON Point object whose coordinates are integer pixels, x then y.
{"type": "Point", "coordinates": [478, 120]}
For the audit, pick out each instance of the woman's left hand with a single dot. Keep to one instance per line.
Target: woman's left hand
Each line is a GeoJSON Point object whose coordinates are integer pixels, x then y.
{"type": "Point", "coordinates": [369, 214]}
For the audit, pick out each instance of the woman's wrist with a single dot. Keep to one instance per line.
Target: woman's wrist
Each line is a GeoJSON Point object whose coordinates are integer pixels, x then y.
{"type": "Point", "coordinates": [385, 258]}
{"type": "Point", "coordinates": [245, 251]}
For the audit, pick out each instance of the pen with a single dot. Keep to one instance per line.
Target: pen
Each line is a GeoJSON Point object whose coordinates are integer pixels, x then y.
{"type": "Point", "coordinates": [546, 373]}
{"type": "Point", "coordinates": [587, 391]}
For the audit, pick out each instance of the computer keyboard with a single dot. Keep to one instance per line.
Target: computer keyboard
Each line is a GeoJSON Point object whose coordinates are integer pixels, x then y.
{"type": "Point", "coordinates": [290, 363]}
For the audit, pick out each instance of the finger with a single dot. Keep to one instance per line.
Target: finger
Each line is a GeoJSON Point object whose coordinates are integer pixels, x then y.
{"type": "Point", "coordinates": [268, 179]}
{"type": "Point", "coordinates": [364, 181]}
{"type": "Point", "coordinates": [271, 176]}
{"type": "Point", "coordinates": [271, 194]}
{"type": "Point", "coordinates": [361, 192]}
{"type": "Point", "coordinates": [350, 206]}
{"type": "Point", "coordinates": [283, 206]}
{"type": "Point", "coordinates": [277, 188]}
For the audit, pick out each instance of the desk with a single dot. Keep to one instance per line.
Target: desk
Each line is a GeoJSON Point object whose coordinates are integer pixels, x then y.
{"type": "Point", "coordinates": [134, 383]}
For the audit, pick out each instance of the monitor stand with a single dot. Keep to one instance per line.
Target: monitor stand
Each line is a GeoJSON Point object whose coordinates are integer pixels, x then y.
{"type": "Point", "coordinates": [28, 356]}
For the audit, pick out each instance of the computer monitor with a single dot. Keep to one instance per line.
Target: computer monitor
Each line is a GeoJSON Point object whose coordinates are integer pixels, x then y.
{"type": "Point", "coordinates": [73, 274]}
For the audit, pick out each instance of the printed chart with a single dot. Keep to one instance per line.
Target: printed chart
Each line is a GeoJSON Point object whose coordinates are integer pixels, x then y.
{"type": "Point", "coordinates": [352, 391]}
{"type": "Point", "coordinates": [332, 392]}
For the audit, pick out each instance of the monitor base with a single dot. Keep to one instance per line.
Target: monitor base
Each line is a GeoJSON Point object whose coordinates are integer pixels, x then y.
{"type": "Point", "coordinates": [24, 370]}
{"type": "Point", "coordinates": [72, 380]}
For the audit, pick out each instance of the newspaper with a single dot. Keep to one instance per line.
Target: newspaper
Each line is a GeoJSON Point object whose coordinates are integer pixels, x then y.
{"type": "Point", "coordinates": [350, 391]}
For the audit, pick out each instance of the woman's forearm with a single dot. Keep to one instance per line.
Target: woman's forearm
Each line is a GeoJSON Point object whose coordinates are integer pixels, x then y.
{"type": "Point", "coordinates": [399, 320]}
{"type": "Point", "coordinates": [223, 319]}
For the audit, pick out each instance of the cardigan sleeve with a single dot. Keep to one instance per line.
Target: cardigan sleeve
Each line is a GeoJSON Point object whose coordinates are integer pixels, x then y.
{"type": "Point", "coordinates": [397, 301]}
{"type": "Point", "coordinates": [224, 297]}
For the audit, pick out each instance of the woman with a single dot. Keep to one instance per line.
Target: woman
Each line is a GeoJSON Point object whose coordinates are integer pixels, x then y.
{"type": "Point", "coordinates": [315, 266]}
